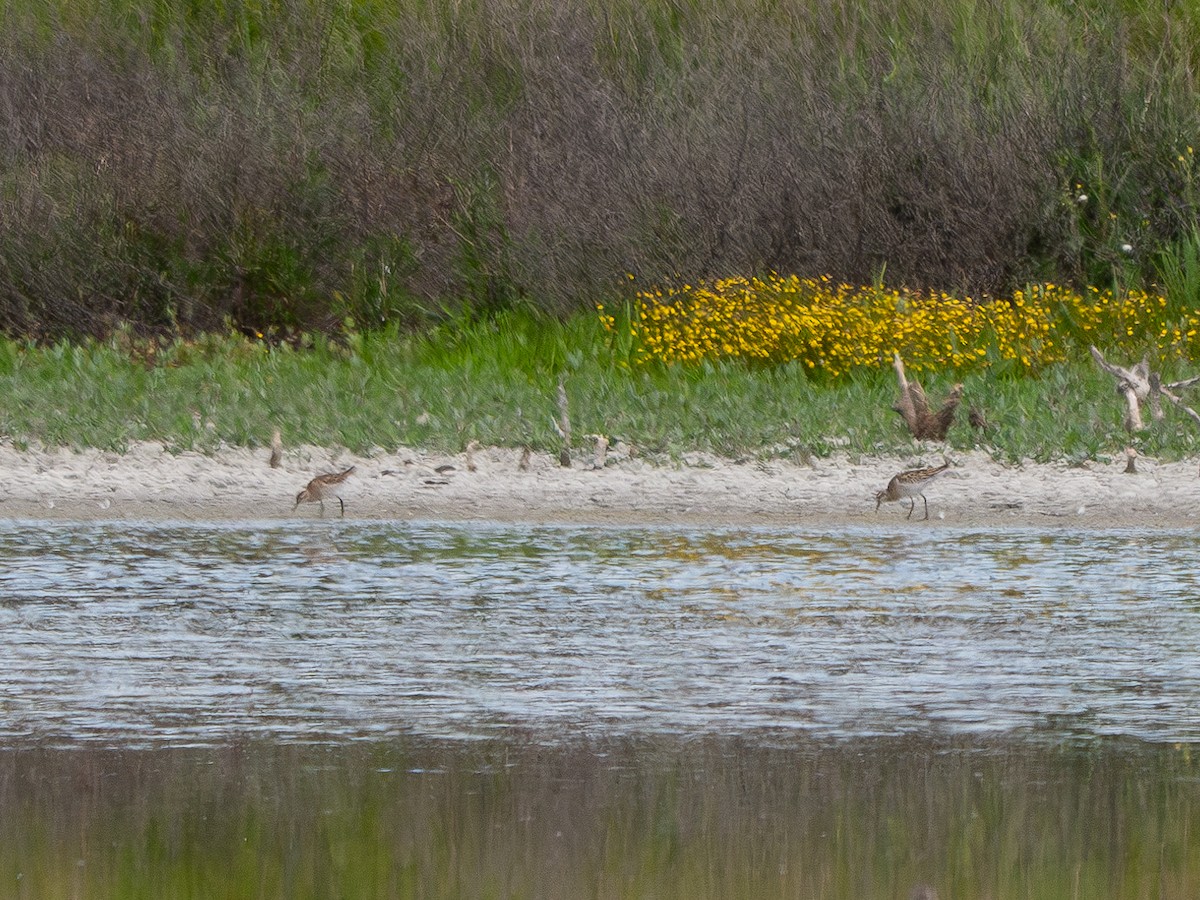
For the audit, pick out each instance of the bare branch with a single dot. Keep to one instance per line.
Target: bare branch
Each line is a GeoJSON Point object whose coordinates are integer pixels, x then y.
{"type": "Point", "coordinates": [1178, 402]}
{"type": "Point", "coordinates": [1156, 411]}
{"type": "Point", "coordinates": [905, 405]}
{"type": "Point", "coordinates": [1133, 384]}
{"type": "Point", "coordinates": [563, 425]}
{"type": "Point", "coordinates": [913, 406]}
{"type": "Point", "coordinates": [1104, 364]}
{"type": "Point", "coordinates": [1139, 384]}
{"type": "Point", "coordinates": [1187, 382]}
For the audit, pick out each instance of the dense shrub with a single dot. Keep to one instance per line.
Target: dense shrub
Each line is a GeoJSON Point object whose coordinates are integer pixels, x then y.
{"type": "Point", "coordinates": [285, 166]}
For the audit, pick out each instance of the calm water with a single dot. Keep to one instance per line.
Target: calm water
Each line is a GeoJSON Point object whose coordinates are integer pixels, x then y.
{"type": "Point", "coordinates": [193, 635]}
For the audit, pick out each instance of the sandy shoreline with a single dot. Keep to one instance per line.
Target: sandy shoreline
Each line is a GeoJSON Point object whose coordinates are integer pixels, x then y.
{"type": "Point", "coordinates": [149, 483]}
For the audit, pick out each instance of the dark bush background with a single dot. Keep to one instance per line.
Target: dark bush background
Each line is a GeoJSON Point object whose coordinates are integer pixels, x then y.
{"type": "Point", "coordinates": [179, 165]}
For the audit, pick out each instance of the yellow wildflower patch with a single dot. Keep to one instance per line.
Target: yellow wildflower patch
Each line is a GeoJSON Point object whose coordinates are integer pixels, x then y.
{"type": "Point", "coordinates": [835, 328]}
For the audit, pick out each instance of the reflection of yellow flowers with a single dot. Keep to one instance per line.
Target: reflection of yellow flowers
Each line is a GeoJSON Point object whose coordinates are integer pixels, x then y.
{"type": "Point", "coordinates": [834, 328]}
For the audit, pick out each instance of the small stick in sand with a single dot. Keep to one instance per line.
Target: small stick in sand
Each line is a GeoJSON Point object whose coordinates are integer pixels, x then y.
{"type": "Point", "coordinates": [563, 426]}
{"type": "Point", "coordinates": [472, 446]}
{"type": "Point", "coordinates": [1130, 465]}
{"type": "Point", "coordinates": [600, 457]}
{"type": "Point", "coordinates": [276, 449]}
{"type": "Point", "coordinates": [523, 465]}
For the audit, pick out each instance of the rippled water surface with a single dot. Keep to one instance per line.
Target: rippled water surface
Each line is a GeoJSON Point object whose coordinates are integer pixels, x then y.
{"type": "Point", "coordinates": [197, 634]}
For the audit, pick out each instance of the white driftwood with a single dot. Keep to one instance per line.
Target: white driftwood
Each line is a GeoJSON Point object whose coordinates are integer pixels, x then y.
{"type": "Point", "coordinates": [1133, 384]}
{"type": "Point", "coordinates": [1139, 384]}
{"type": "Point", "coordinates": [1166, 391]}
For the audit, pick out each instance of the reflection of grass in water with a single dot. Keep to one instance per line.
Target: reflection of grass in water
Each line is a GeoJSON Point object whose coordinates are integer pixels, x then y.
{"type": "Point", "coordinates": [648, 817]}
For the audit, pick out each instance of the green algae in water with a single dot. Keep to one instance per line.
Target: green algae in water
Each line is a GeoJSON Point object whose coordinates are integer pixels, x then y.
{"type": "Point", "coordinates": [634, 818]}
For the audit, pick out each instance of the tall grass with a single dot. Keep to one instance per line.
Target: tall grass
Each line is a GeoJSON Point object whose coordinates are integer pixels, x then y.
{"type": "Point", "coordinates": [494, 380]}
{"type": "Point", "coordinates": [180, 165]}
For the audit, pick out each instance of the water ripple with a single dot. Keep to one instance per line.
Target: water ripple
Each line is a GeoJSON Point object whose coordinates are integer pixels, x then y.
{"type": "Point", "coordinates": [189, 634]}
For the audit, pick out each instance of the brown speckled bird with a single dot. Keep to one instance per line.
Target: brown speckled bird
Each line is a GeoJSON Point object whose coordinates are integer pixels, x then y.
{"type": "Point", "coordinates": [909, 484]}
{"type": "Point", "coordinates": [324, 486]}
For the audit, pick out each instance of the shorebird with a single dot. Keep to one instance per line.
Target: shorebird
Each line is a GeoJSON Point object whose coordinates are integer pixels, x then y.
{"type": "Point", "coordinates": [324, 486]}
{"type": "Point", "coordinates": [910, 484]}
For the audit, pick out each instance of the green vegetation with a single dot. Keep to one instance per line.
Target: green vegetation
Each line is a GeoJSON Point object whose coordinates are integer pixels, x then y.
{"type": "Point", "coordinates": [414, 201]}
{"type": "Point", "coordinates": [689, 819]}
{"type": "Point", "coordinates": [494, 380]}
{"type": "Point", "coordinates": [181, 166]}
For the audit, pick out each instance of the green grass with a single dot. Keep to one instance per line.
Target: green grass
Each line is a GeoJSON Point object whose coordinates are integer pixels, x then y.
{"type": "Point", "coordinates": [494, 381]}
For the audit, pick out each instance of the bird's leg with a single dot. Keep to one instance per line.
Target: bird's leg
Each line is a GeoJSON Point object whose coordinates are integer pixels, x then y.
{"type": "Point", "coordinates": [912, 505]}
{"type": "Point", "coordinates": [322, 505]}
{"type": "Point", "coordinates": [926, 508]}
{"type": "Point", "coordinates": [343, 504]}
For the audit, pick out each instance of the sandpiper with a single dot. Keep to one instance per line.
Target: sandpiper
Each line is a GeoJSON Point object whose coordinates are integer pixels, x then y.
{"type": "Point", "coordinates": [324, 486]}
{"type": "Point", "coordinates": [909, 484]}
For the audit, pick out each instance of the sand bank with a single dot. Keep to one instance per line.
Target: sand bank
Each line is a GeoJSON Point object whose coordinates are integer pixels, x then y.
{"type": "Point", "coordinates": [150, 483]}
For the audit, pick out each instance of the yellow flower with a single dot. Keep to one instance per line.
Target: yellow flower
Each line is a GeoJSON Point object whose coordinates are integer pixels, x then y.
{"type": "Point", "coordinates": [836, 328]}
